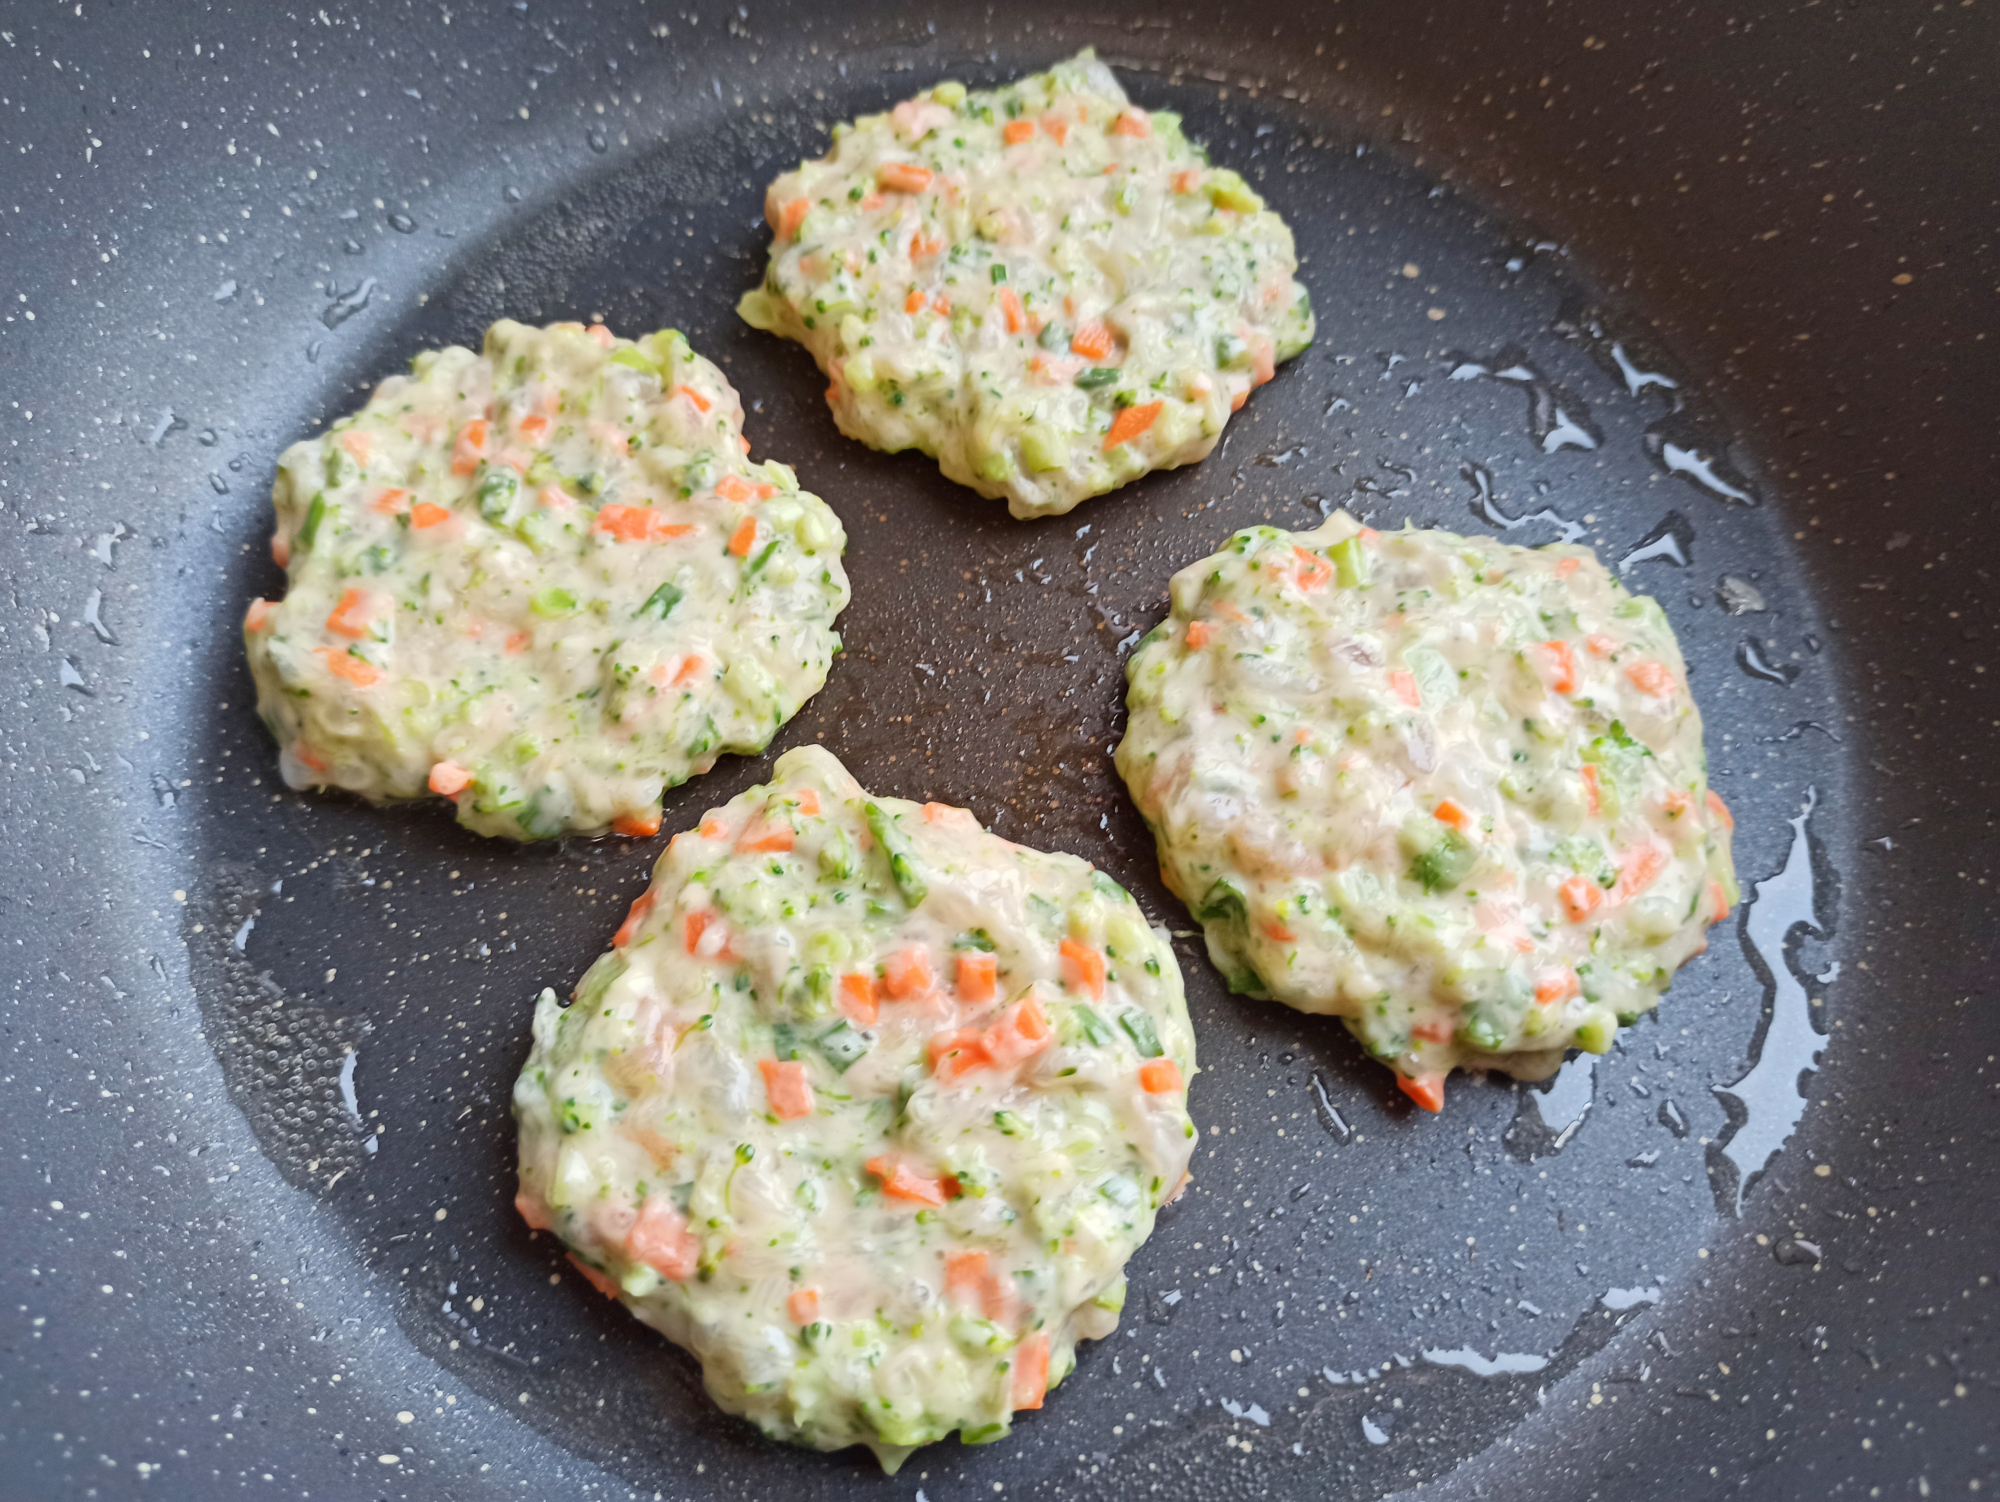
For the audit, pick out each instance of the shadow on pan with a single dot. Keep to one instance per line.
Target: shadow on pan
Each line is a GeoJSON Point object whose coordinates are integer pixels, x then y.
{"type": "Point", "coordinates": [265, 1042]}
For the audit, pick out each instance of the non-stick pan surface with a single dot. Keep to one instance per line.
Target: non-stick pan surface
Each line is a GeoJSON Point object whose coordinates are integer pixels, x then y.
{"type": "Point", "coordinates": [1709, 289]}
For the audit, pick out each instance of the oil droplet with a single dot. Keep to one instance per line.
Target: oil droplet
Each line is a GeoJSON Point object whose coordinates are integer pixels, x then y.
{"type": "Point", "coordinates": [1499, 1364]}
{"type": "Point", "coordinates": [1766, 1103]}
{"type": "Point", "coordinates": [1549, 1115]}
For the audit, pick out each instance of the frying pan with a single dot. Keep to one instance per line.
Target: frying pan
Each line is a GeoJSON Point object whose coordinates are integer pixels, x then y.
{"type": "Point", "coordinates": [1709, 286]}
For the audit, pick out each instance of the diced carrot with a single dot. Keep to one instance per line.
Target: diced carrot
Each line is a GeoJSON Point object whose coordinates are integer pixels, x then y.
{"type": "Point", "coordinates": [1718, 902]}
{"type": "Point", "coordinates": [1558, 665]}
{"type": "Point", "coordinates": [789, 1088]}
{"type": "Point", "coordinates": [1198, 633]}
{"type": "Point", "coordinates": [1555, 985]}
{"type": "Point", "coordinates": [1093, 341]}
{"type": "Point", "coordinates": [424, 514]}
{"type": "Point", "coordinates": [1130, 423]}
{"type": "Point", "coordinates": [761, 834]}
{"type": "Point", "coordinates": [1638, 870]}
{"type": "Point", "coordinates": [1187, 182]}
{"type": "Point", "coordinates": [258, 616]}
{"type": "Point", "coordinates": [809, 803]}
{"type": "Point", "coordinates": [1593, 790]}
{"type": "Point", "coordinates": [1404, 685]}
{"type": "Point", "coordinates": [965, 1274]}
{"type": "Point", "coordinates": [1263, 360]}
{"type": "Point", "coordinates": [744, 444]}
{"type": "Point", "coordinates": [350, 616]}
{"type": "Point", "coordinates": [950, 816]}
{"type": "Point", "coordinates": [790, 217]}
{"type": "Point", "coordinates": [1031, 1371]}
{"type": "Point", "coordinates": [857, 998]}
{"type": "Point", "coordinates": [1600, 645]}
{"type": "Point", "coordinates": [448, 779]}
{"type": "Point", "coordinates": [712, 828]}
{"type": "Point", "coordinates": [1721, 810]}
{"type": "Point", "coordinates": [518, 642]}
{"type": "Point", "coordinates": [359, 444]}
{"type": "Point", "coordinates": [940, 304]}
{"type": "Point", "coordinates": [803, 1306]}
{"type": "Point", "coordinates": [691, 666]}
{"type": "Point", "coordinates": [1014, 132]}
{"type": "Point", "coordinates": [1567, 566]}
{"type": "Point", "coordinates": [901, 1182]}
{"type": "Point", "coordinates": [1083, 968]}
{"type": "Point", "coordinates": [1368, 536]}
{"type": "Point", "coordinates": [956, 1052]}
{"type": "Point", "coordinates": [1010, 308]}
{"type": "Point", "coordinates": [534, 428]}
{"type": "Point", "coordinates": [914, 303]}
{"type": "Point", "coordinates": [1427, 1092]}
{"type": "Point", "coordinates": [694, 926]}
{"type": "Point", "coordinates": [1159, 1076]}
{"type": "Point", "coordinates": [1019, 1031]}
{"type": "Point", "coordinates": [1675, 803]}
{"type": "Point", "coordinates": [641, 826]}
{"type": "Point", "coordinates": [906, 973]}
{"type": "Point", "coordinates": [531, 1209]}
{"type": "Point", "coordinates": [1580, 898]}
{"type": "Point", "coordinates": [902, 177]}
{"type": "Point", "coordinates": [1435, 1031]}
{"type": "Point", "coordinates": [977, 974]}
{"type": "Point", "coordinates": [634, 916]}
{"type": "Point", "coordinates": [1278, 933]}
{"type": "Point", "coordinates": [602, 1282]}
{"type": "Point", "coordinates": [1450, 812]}
{"type": "Point", "coordinates": [701, 403]}
{"type": "Point", "coordinates": [744, 537]}
{"type": "Point", "coordinates": [391, 500]}
{"type": "Point", "coordinates": [281, 552]}
{"type": "Point", "coordinates": [920, 248]}
{"type": "Point", "coordinates": [1057, 129]}
{"type": "Point", "coordinates": [1236, 402]}
{"type": "Point", "coordinates": [470, 445]}
{"type": "Point", "coordinates": [636, 524]}
{"type": "Point", "coordinates": [1313, 570]}
{"type": "Point", "coordinates": [1654, 679]}
{"type": "Point", "coordinates": [602, 335]}
{"type": "Point", "coordinates": [353, 669]}
{"type": "Point", "coordinates": [660, 1238]}
{"type": "Point", "coordinates": [308, 756]}
{"type": "Point", "coordinates": [736, 488]}
{"type": "Point", "coordinates": [1133, 123]}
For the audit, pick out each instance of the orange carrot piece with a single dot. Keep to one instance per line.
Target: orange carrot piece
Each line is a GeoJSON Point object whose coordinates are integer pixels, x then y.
{"type": "Point", "coordinates": [701, 403]}
{"type": "Point", "coordinates": [1638, 869]}
{"type": "Point", "coordinates": [1593, 790]}
{"type": "Point", "coordinates": [901, 1182]}
{"type": "Point", "coordinates": [1083, 968]}
{"type": "Point", "coordinates": [803, 1306]}
{"type": "Point", "coordinates": [857, 999]}
{"type": "Point", "coordinates": [281, 552]}
{"type": "Point", "coordinates": [636, 524]}
{"type": "Point", "coordinates": [1676, 803]}
{"type": "Point", "coordinates": [1130, 423]}
{"type": "Point", "coordinates": [531, 1209]}
{"type": "Point", "coordinates": [789, 1088]}
{"type": "Point", "coordinates": [1031, 1372]}
{"type": "Point", "coordinates": [359, 444]}
{"type": "Point", "coordinates": [1010, 307]}
{"type": "Point", "coordinates": [1554, 985]}
{"type": "Point", "coordinates": [1651, 678]}
{"type": "Point", "coordinates": [642, 825]}
{"type": "Point", "coordinates": [448, 779]}
{"type": "Point", "coordinates": [1187, 182]}
{"type": "Point", "coordinates": [744, 537]}
{"type": "Point", "coordinates": [660, 1238]}
{"type": "Point", "coordinates": [1132, 123]}
{"type": "Point", "coordinates": [914, 303]}
{"type": "Point", "coordinates": [353, 669]}
{"type": "Point", "coordinates": [1014, 132]}
{"type": "Point", "coordinates": [1057, 129]}
{"type": "Point", "coordinates": [902, 177]}
{"type": "Point", "coordinates": [424, 514]}
{"type": "Point", "coordinates": [1721, 810]}
{"type": "Point", "coordinates": [1449, 811]}
{"type": "Point", "coordinates": [470, 445]}
{"type": "Point", "coordinates": [1313, 570]}
{"type": "Point", "coordinates": [790, 217]}
{"type": "Point", "coordinates": [534, 428]}
{"type": "Point", "coordinates": [1093, 341]}
{"type": "Point", "coordinates": [518, 642]}
{"type": "Point", "coordinates": [1404, 685]}
{"type": "Point", "coordinates": [1021, 1030]}
{"type": "Point", "coordinates": [1718, 902]}
{"type": "Point", "coordinates": [940, 304]}
{"type": "Point", "coordinates": [965, 1274]}
{"type": "Point", "coordinates": [1438, 1031]}
{"type": "Point", "coordinates": [1159, 1076]}
{"type": "Point", "coordinates": [1567, 566]}
{"type": "Point", "coordinates": [602, 1282]}
{"type": "Point", "coordinates": [634, 916]}
{"type": "Point", "coordinates": [258, 616]}
{"type": "Point", "coordinates": [977, 974]}
{"type": "Point", "coordinates": [956, 1052]}
{"type": "Point", "coordinates": [1277, 933]}
{"type": "Point", "coordinates": [1558, 665]}
{"type": "Point", "coordinates": [1427, 1092]}
{"type": "Point", "coordinates": [763, 835]}
{"type": "Point", "coordinates": [350, 616]}
{"type": "Point", "coordinates": [809, 803]}
{"type": "Point", "coordinates": [391, 500]}
{"type": "Point", "coordinates": [1580, 898]}
{"type": "Point", "coordinates": [307, 755]}
{"type": "Point", "coordinates": [906, 973]}
{"type": "Point", "coordinates": [693, 927]}
{"type": "Point", "coordinates": [691, 665]}
{"type": "Point", "coordinates": [1197, 635]}
{"type": "Point", "coordinates": [1600, 645]}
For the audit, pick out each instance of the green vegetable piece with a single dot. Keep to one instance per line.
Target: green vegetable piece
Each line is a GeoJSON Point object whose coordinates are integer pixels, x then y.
{"type": "Point", "coordinates": [842, 1045]}
{"type": "Point", "coordinates": [660, 603]}
{"type": "Point", "coordinates": [785, 1040]}
{"type": "Point", "coordinates": [315, 514]}
{"type": "Point", "coordinates": [553, 603]}
{"type": "Point", "coordinates": [1231, 349]}
{"type": "Point", "coordinates": [1139, 1028]}
{"type": "Point", "coordinates": [1596, 1034]}
{"type": "Point", "coordinates": [1009, 1125]}
{"type": "Point", "coordinates": [1043, 449]}
{"type": "Point", "coordinates": [977, 938]}
{"type": "Point", "coordinates": [901, 866]}
{"type": "Point", "coordinates": [1221, 903]}
{"type": "Point", "coordinates": [631, 357]}
{"type": "Point", "coordinates": [998, 273]}
{"type": "Point", "coordinates": [1227, 190]}
{"type": "Point", "coordinates": [1445, 864]}
{"type": "Point", "coordinates": [1484, 1032]}
{"type": "Point", "coordinates": [496, 494]}
{"type": "Point", "coordinates": [1350, 563]}
{"type": "Point", "coordinates": [1121, 1191]}
{"type": "Point", "coordinates": [836, 857]}
{"type": "Point", "coordinates": [1092, 379]}
{"type": "Point", "coordinates": [1092, 1025]}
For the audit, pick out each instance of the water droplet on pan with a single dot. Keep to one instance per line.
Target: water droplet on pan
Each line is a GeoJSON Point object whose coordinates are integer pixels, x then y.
{"type": "Point", "coordinates": [597, 141]}
{"type": "Point", "coordinates": [1750, 657]}
{"type": "Point", "coordinates": [346, 304]}
{"type": "Point", "coordinates": [1487, 509]}
{"type": "Point", "coordinates": [402, 224]}
{"type": "Point", "coordinates": [1672, 541]}
{"type": "Point", "coordinates": [1796, 1251]}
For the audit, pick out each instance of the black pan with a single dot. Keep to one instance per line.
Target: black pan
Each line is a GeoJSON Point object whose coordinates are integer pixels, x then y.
{"type": "Point", "coordinates": [259, 1045]}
